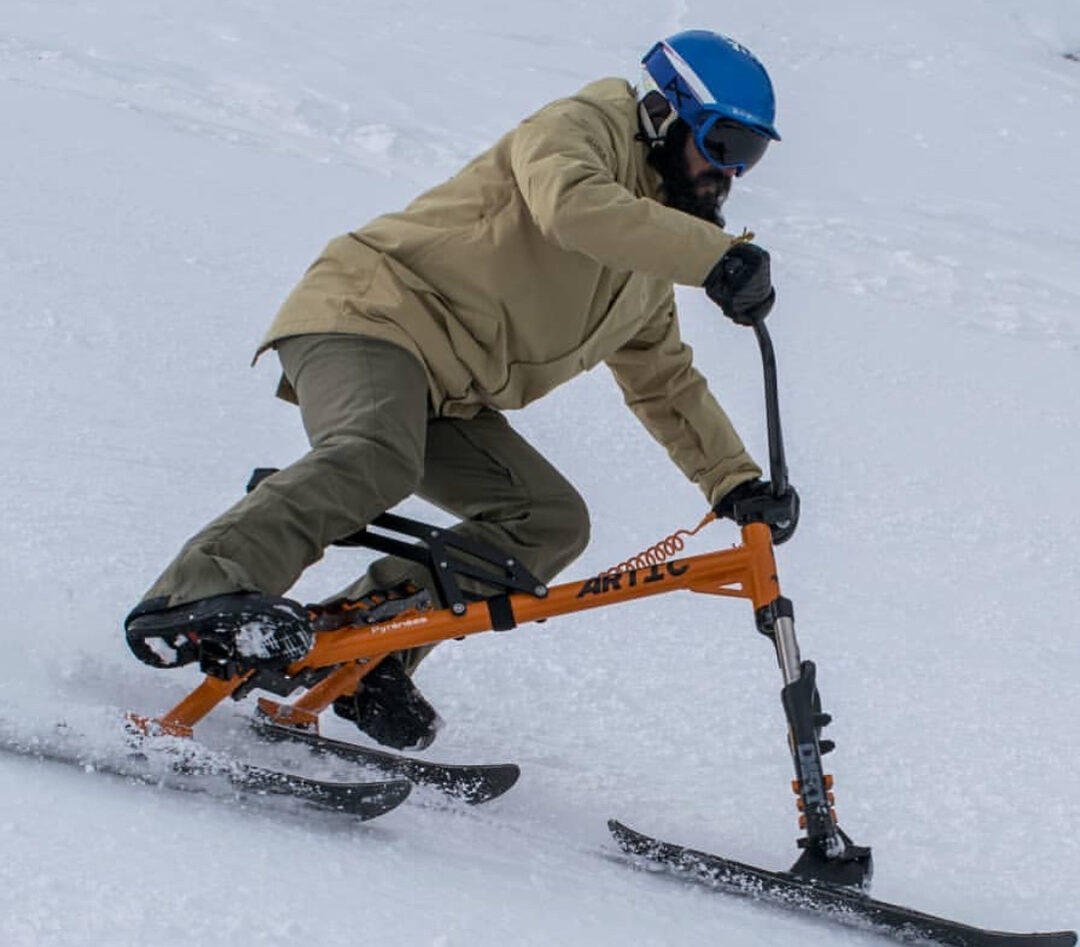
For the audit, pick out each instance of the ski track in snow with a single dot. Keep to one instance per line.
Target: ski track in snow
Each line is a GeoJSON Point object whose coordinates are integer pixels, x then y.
{"type": "Point", "coordinates": [168, 177]}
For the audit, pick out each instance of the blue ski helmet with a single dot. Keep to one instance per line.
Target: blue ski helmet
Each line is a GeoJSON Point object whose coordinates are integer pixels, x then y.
{"type": "Point", "coordinates": [717, 87]}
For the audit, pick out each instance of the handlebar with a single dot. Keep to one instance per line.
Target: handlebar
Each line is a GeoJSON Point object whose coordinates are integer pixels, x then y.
{"type": "Point", "coordinates": [778, 473]}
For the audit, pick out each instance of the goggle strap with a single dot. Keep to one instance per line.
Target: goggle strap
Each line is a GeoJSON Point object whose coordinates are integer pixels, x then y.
{"type": "Point", "coordinates": [654, 111]}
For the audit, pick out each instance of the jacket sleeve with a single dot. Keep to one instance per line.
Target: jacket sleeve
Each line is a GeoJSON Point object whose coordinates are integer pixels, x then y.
{"type": "Point", "coordinates": [565, 160]}
{"type": "Point", "coordinates": [673, 401]}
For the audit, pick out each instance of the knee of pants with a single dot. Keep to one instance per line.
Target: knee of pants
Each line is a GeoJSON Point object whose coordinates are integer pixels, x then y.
{"type": "Point", "coordinates": [375, 469]}
{"type": "Point", "coordinates": [564, 525]}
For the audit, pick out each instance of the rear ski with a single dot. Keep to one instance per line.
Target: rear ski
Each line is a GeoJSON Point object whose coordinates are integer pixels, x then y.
{"type": "Point", "coordinates": [472, 783]}
{"type": "Point", "coordinates": [191, 768]}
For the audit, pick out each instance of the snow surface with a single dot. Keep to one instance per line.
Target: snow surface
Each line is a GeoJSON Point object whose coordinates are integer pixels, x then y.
{"type": "Point", "coordinates": [170, 170]}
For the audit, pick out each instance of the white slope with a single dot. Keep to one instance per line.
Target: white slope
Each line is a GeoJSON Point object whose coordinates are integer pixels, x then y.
{"type": "Point", "coordinates": [167, 174]}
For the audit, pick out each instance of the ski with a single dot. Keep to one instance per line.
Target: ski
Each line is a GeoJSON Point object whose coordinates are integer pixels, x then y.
{"type": "Point", "coordinates": [365, 800]}
{"type": "Point", "coordinates": [192, 768]}
{"type": "Point", "coordinates": [472, 783]}
{"type": "Point", "coordinates": [842, 905]}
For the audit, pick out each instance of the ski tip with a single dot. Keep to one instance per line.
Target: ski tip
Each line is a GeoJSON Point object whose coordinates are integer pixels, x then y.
{"type": "Point", "coordinates": [630, 841]}
{"type": "Point", "coordinates": [512, 773]}
{"type": "Point", "coordinates": [620, 830]}
{"type": "Point", "coordinates": [494, 780]}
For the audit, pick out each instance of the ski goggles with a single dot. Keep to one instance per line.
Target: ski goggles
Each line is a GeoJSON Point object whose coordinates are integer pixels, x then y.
{"type": "Point", "coordinates": [728, 144]}
{"type": "Point", "coordinates": [725, 141]}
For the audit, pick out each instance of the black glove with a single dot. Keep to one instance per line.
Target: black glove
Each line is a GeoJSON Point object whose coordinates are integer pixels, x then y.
{"type": "Point", "coordinates": [741, 284]}
{"type": "Point", "coordinates": [753, 502]}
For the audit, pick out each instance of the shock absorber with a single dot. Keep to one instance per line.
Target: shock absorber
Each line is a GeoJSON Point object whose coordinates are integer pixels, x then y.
{"type": "Point", "coordinates": [828, 854]}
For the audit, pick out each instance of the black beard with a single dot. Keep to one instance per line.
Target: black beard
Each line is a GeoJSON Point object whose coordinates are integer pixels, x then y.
{"type": "Point", "coordinates": [669, 159]}
{"type": "Point", "coordinates": [682, 195]}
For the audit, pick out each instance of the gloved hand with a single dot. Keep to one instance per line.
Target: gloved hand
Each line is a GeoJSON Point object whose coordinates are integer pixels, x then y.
{"type": "Point", "coordinates": [753, 502]}
{"type": "Point", "coordinates": [741, 284]}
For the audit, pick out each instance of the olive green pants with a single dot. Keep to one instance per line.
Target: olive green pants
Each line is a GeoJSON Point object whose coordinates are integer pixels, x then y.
{"type": "Point", "coordinates": [365, 407]}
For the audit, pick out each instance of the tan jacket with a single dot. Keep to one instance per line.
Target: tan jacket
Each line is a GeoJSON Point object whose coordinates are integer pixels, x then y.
{"type": "Point", "coordinates": [546, 255]}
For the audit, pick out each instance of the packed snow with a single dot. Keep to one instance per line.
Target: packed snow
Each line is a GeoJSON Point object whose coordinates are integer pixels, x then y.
{"type": "Point", "coordinates": [169, 172]}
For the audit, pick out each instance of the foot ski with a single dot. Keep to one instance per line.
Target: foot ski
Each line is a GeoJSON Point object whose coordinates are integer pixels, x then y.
{"type": "Point", "coordinates": [195, 769]}
{"type": "Point", "coordinates": [366, 800]}
{"type": "Point", "coordinates": [843, 905]}
{"type": "Point", "coordinates": [471, 783]}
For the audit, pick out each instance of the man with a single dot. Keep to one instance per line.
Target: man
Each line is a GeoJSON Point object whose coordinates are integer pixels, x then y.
{"type": "Point", "coordinates": [553, 251]}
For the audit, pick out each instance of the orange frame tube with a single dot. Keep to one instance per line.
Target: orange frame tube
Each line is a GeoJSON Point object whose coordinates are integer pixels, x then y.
{"type": "Point", "coordinates": [744, 571]}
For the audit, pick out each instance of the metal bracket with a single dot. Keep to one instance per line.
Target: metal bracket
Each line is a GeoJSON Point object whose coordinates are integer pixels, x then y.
{"type": "Point", "coordinates": [438, 552]}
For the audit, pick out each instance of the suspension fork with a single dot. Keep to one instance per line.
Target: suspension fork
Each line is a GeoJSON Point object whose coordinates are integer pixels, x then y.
{"type": "Point", "coordinates": [828, 854]}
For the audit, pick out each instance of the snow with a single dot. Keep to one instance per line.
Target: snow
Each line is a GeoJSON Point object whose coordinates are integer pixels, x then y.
{"type": "Point", "coordinates": [168, 176]}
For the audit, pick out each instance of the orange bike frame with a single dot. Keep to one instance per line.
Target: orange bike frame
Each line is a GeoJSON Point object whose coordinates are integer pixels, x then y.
{"type": "Point", "coordinates": [745, 571]}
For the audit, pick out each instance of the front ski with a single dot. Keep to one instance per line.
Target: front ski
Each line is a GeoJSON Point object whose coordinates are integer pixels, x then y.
{"type": "Point", "coordinates": [843, 905]}
{"type": "Point", "coordinates": [471, 783]}
{"type": "Point", "coordinates": [183, 766]}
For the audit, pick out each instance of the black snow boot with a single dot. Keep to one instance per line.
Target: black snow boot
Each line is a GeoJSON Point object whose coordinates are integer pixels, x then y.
{"type": "Point", "coordinates": [226, 634]}
{"type": "Point", "coordinates": [388, 707]}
